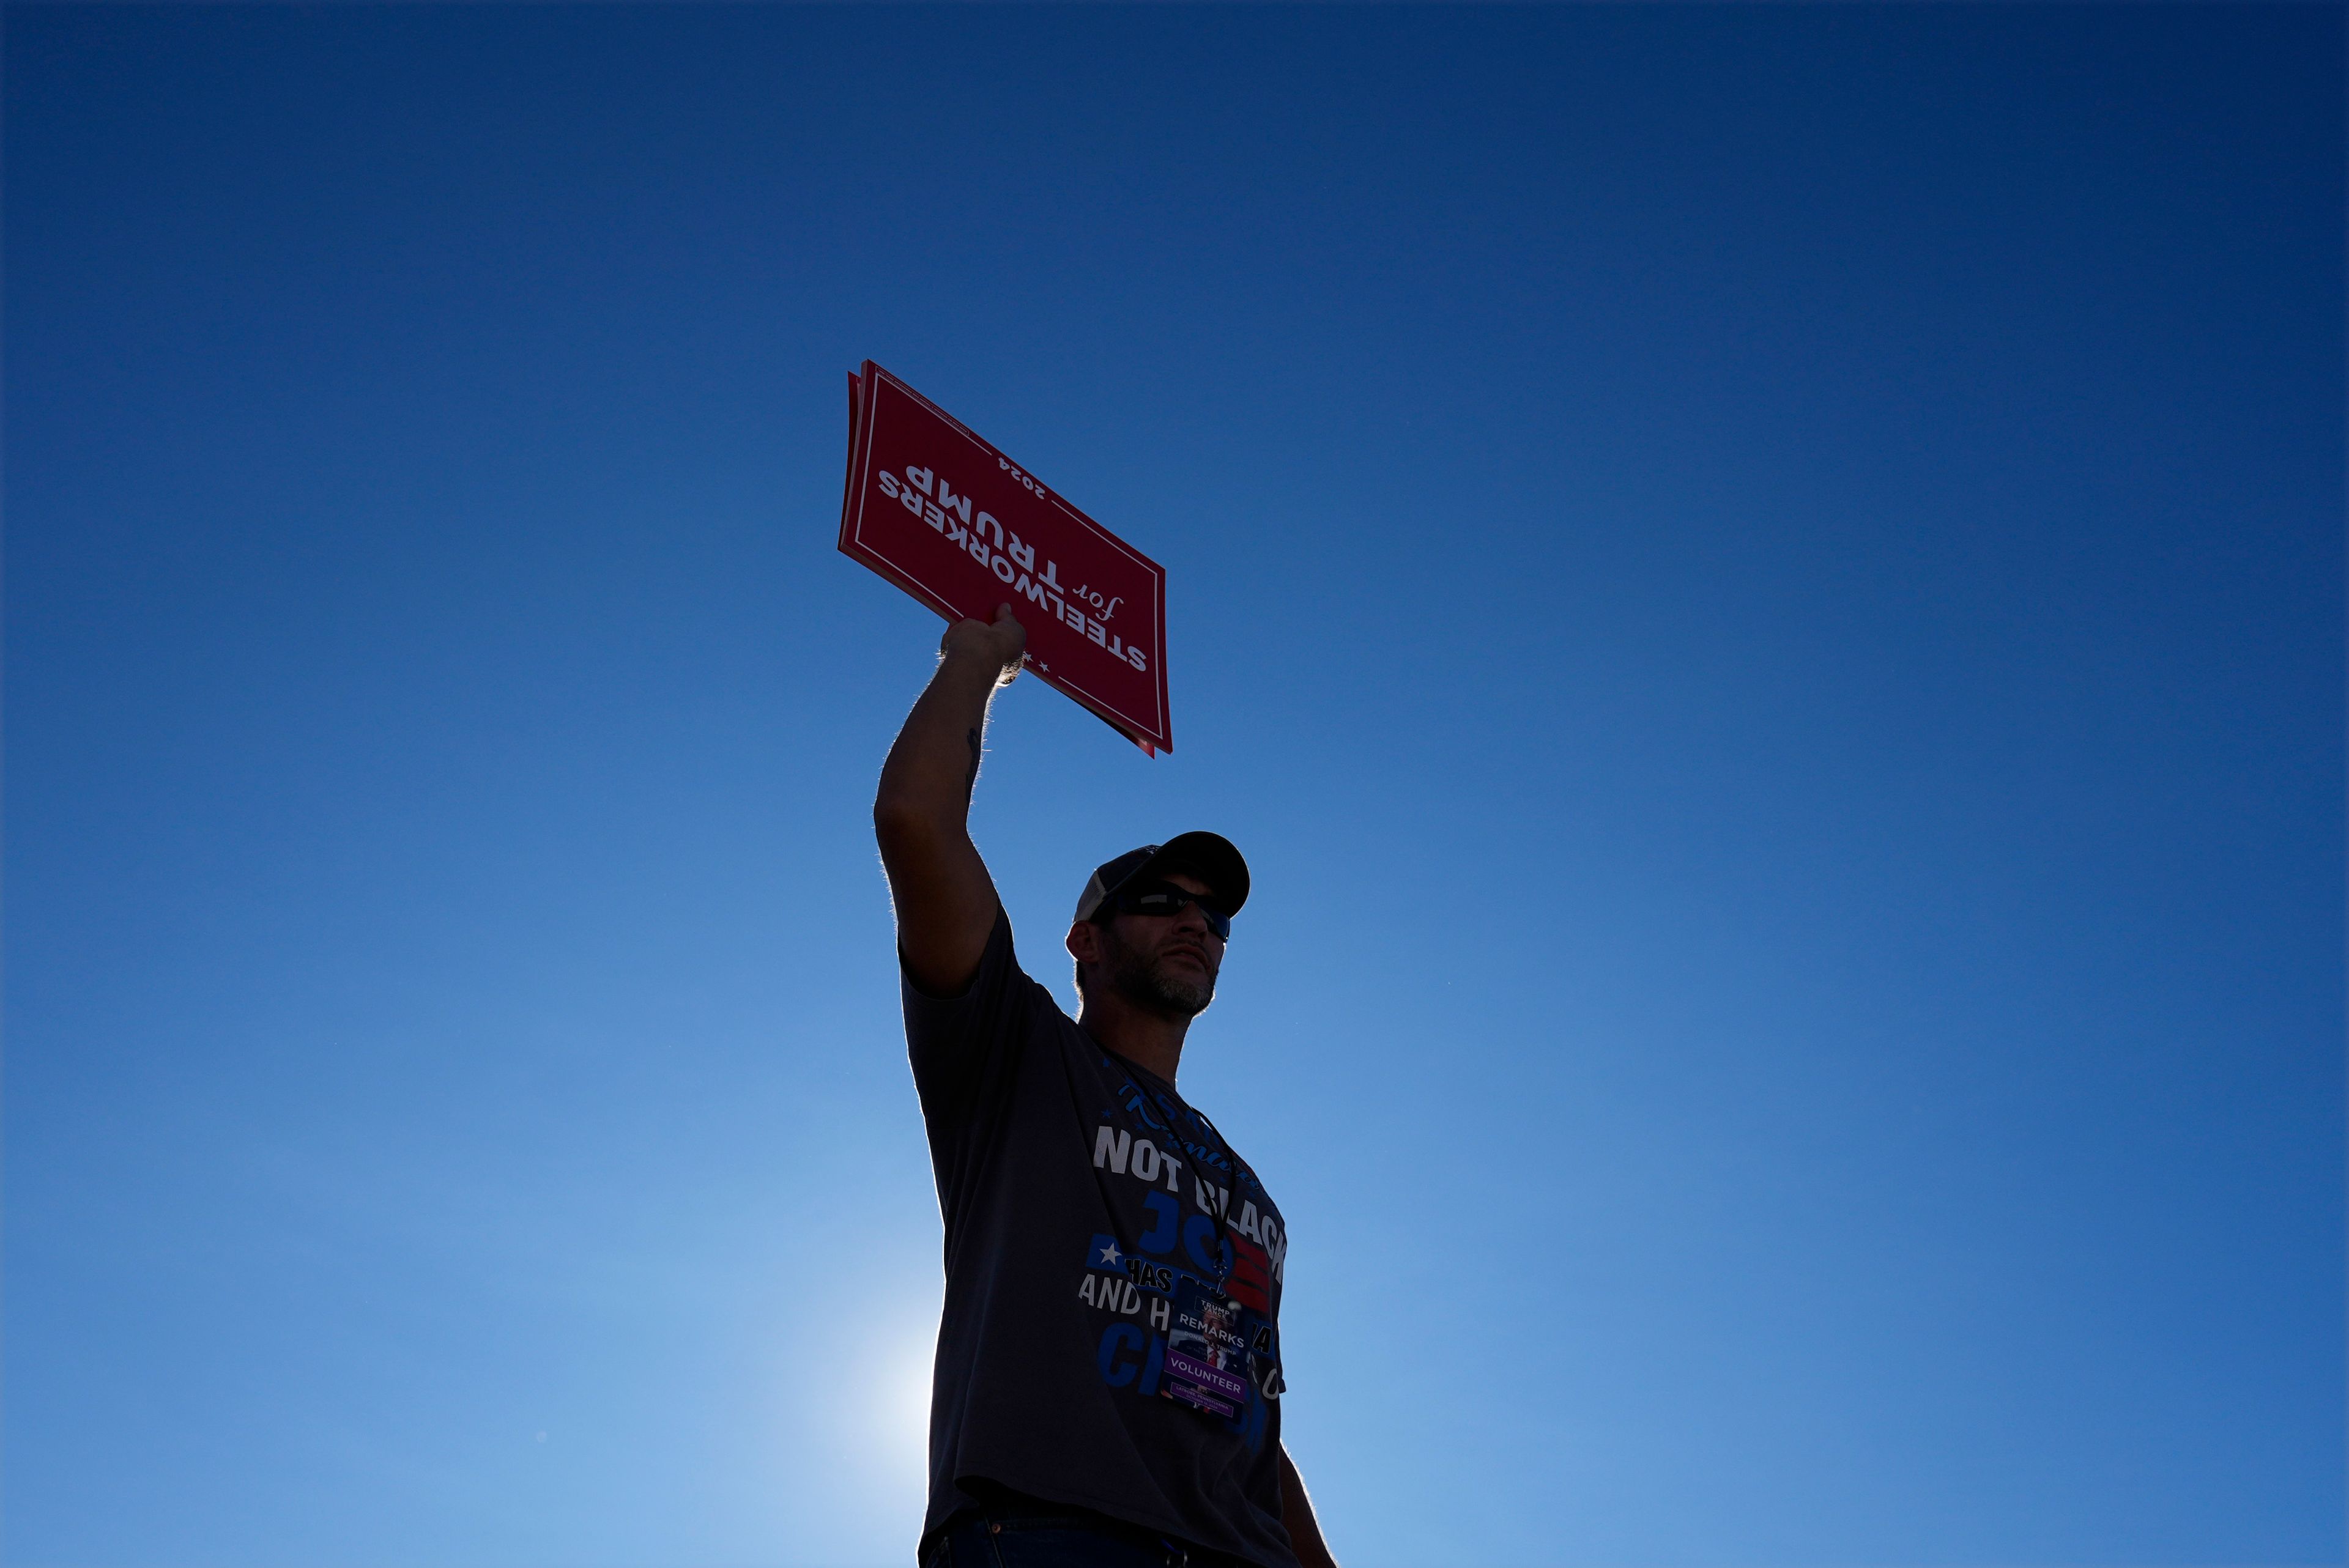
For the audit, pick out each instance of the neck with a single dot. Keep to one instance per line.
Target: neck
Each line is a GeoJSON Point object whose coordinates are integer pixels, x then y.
{"type": "Point", "coordinates": [1146, 1039]}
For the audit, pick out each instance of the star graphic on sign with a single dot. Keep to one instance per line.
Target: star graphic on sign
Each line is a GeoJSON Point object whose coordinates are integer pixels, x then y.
{"type": "Point", "coordinates": [1109, 1254]}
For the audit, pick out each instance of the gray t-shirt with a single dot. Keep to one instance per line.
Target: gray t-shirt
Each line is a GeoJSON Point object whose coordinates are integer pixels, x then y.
{"type": "Point", "coordinates": [1089, 1211]}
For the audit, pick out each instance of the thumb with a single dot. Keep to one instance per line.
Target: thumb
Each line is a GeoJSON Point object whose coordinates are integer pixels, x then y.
{"type": "Point", "coordinates": [1011, 638]}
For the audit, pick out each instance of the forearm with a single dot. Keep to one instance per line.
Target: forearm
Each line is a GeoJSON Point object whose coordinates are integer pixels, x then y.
{"type": "Point", "coordinates": [945, 899]}
{"type": "Point", "coordinates": [1296, 1518]}
{"type": "Point", "coordinates": [926, 784]}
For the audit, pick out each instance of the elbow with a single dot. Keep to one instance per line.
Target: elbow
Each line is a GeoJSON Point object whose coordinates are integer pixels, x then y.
{"type": "Point", "coordinates": [898, 825]}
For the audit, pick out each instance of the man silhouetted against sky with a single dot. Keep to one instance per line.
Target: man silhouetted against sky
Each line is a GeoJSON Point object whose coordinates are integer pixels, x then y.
{"type": "Point", "coordinates": [1107, 1387]}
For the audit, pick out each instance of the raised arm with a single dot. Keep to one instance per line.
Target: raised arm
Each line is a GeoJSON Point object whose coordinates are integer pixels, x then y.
{"type": "Point", "coordinates": [944, 899]}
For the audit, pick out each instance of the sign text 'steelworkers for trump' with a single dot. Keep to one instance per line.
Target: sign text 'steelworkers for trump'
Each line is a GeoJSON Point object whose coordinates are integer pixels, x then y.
{"type": "Point", "coordinates": [947, 517]}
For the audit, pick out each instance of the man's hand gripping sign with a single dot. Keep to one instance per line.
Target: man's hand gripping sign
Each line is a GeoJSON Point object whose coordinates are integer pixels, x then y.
{"type": "Point", "coordinates": [965, 529]}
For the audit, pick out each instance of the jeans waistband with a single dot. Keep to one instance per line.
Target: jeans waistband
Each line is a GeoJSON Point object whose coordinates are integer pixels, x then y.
{"type": "Point", "coordinates": [1008, 1508]}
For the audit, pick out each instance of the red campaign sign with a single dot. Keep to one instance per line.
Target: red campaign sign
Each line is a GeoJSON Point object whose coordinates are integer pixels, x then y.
{"type": "Point", "coordinates": [953, 521]}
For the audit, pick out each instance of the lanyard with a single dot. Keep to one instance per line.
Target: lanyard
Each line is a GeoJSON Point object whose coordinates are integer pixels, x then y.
{"type": "Point", "coordinates": [1173, 1107]}
{"type": "Point", "coordinates": [1225, 1251]}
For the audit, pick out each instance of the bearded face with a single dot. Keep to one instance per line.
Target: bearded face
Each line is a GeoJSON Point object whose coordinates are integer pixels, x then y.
{"type": "Point", "coordinates": [1169, 971]}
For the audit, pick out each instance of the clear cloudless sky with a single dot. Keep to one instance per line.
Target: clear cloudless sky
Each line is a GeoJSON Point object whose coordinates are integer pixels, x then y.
{"type": "Point", "coordinates": [1762, 587]}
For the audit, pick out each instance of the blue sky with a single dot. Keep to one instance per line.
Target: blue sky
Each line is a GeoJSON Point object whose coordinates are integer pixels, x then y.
{"type": "Point", "coordinates": [1761, 587]}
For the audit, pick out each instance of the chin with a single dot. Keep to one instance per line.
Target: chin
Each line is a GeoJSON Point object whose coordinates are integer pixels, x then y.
{"type": "Point", "coordinates": [1190, 1001]}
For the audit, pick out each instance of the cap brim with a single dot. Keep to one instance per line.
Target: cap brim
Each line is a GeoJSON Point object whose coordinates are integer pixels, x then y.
{"type": "Point", "coordinates": [1210, 857]}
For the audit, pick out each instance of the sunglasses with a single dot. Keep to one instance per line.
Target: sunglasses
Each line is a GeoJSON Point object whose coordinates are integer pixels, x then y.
{"type": "Point", "coordinates": [1164, 898]}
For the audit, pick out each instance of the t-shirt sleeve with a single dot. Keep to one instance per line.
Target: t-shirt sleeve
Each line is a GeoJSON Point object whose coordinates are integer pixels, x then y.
{"type": "Point", "coordinates": [959, 1042]}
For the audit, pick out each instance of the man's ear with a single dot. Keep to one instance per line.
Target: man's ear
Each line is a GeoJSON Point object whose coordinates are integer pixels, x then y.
{"type": "Point", "coordinates": [1084, 942]}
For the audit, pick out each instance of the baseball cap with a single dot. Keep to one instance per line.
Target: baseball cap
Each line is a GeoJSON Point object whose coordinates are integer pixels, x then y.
{"type": "Point", "coordinates": [1207, 856]}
